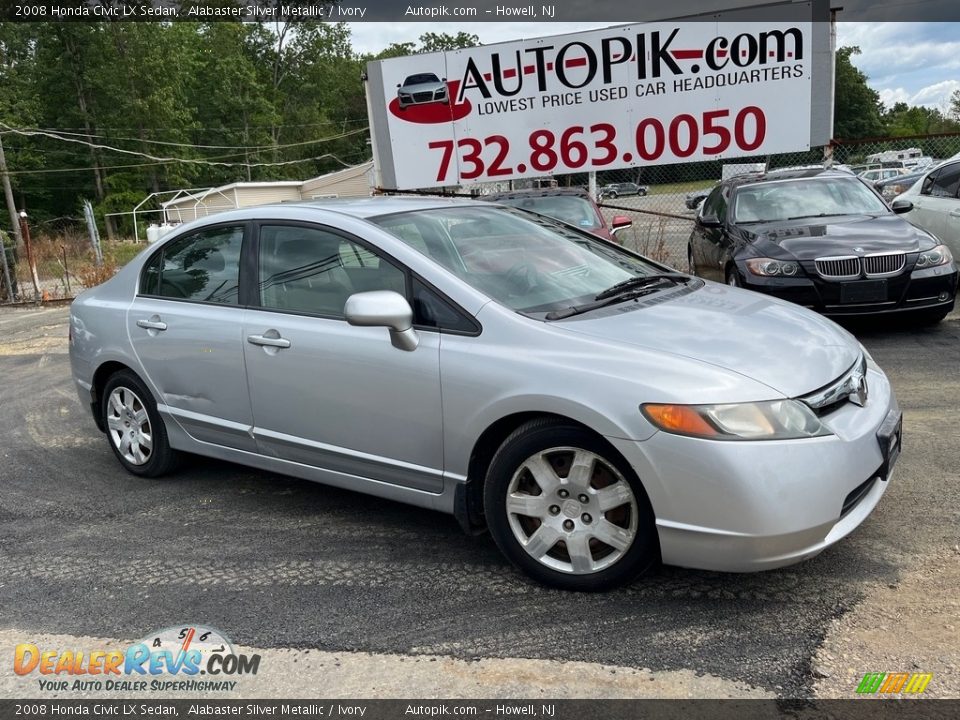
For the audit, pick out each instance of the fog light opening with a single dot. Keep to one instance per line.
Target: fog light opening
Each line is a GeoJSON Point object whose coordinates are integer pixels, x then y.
{"type": "Point", "coordinates": [943, 297]}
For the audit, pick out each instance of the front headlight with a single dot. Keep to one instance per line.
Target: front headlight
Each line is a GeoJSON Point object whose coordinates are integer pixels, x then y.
{"type": "Point", "coordinates": [940, 255]}
{"type": "Point", "coordinates": [775, 420]}
{"type": "Point", "coordinates": [768, 267]}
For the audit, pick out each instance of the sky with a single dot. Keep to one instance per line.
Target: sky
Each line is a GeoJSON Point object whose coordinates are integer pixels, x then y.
{"type": "Point", "coordinates": [916, 63]}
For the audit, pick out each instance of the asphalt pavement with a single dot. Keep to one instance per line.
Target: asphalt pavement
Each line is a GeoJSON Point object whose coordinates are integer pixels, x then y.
{"type": "Point", "coordinates": [275, 562]}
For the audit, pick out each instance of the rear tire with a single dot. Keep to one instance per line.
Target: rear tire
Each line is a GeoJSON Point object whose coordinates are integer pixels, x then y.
{"type": "Point", "coordinates": [566, 509]}
{"type": "Point", "coordinates": [134, 429]}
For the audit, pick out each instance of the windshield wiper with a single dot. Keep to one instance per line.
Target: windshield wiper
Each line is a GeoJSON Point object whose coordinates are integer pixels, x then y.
{"type": "Point", "coordinates": [804, 217]}
{"type": "Point", "coordinates": [639, 282]}
{"type": "Point", "coordinates": [621, 292]}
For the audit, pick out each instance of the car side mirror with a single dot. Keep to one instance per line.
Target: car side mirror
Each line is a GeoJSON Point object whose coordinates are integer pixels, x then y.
{"type": "Point", "coordinates": [901, 206]}
{"type": "Point", "coordinates": [620, 222]}
{"type": "Point", "coordinates": [384, 308]}
{"type": "Point", "coordinates": [398, 84]}
{"type": "Point", "coordinates": [709, 221]}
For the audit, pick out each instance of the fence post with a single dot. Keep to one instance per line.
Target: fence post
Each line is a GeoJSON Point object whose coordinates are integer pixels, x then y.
{"type": "Point", "coordinates": [93, 231]}
{"type": "Point", "coordinates": [828, 155]}
{"type": "Point", "coordinates": [6, 269]}
{"type": "Point", "coordinates": [66, 269]}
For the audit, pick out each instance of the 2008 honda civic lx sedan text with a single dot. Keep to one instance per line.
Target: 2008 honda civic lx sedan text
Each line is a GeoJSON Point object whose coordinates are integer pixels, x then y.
{"type": "Point", "coordinates": [594, 410]}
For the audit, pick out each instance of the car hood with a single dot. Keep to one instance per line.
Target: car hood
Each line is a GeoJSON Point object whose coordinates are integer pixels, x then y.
{"type": "Point", "coordinates": [784, 346]}
{"type": "Point", "coordinates": [811, 238]}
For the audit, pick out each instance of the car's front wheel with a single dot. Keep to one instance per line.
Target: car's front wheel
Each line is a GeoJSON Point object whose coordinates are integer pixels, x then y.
{"type": "Point", "coordinates": [135, 431]}
{"type": "Point", "coordinates": [733, 277]}
{"type": "Point", "coordinates": [566, 509]}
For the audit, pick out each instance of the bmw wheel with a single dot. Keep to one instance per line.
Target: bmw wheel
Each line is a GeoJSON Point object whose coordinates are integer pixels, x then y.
{"type": "Point", "coordinates": [567, 510]}
{"type": "Point", "coordinates": [135, 431]}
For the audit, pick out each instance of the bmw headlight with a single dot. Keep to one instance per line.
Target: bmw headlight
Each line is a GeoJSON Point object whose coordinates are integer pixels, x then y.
{"type": "Point", "coordinates": [940, 255]}
{"type": "Point", "coordinates": [775, 420]}
{"type": "Point", "coordinates": [768, 267]}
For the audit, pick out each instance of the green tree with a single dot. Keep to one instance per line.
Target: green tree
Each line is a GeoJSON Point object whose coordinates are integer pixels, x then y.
{"type": "Point", "coordinates": [857, 107]}
{"type": "Point", "coordinates": [902, 120]}
{"type": "Point", "coordinates": [955, 105]}
{"type": "Point", "coordinates": [434, 42]}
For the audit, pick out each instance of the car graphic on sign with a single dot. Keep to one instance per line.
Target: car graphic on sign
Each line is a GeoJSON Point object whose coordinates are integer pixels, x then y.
{"type": "Point", "coordinates": [422, 89]}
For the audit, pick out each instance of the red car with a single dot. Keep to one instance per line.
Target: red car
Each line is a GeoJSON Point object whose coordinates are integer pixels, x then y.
{"type": "Point", "coordinates": [570, 205]}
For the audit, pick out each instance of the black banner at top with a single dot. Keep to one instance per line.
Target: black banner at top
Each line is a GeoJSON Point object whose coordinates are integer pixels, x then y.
{"type": "Point", "coordinates": [454, 12]}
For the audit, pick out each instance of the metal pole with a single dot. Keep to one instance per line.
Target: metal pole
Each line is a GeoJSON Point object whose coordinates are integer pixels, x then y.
{"type": "Point", "coordinates": [8, 193]}
{"type": "Point", "coordinates": [25, 231]}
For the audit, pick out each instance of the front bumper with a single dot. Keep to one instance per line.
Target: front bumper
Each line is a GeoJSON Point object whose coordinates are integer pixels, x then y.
{"type": "Point", "coordinates": [744, 506]}
{"type": "Point", "coordinates": [917, 290]}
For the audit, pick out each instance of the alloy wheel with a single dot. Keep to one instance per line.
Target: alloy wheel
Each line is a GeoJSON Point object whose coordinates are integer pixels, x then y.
{"type": "Point", "coordinates": [128, 425]}
{"type": "Point", "coordinates": [571, 510]}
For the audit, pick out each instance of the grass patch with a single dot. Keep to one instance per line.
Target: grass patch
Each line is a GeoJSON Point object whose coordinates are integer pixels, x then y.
{"type": "Point", "coordinates": [680, 187]}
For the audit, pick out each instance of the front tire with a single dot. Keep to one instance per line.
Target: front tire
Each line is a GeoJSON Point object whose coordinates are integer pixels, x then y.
{"type": "Point", "coordinates": [930, 317]}
{"type": "Point", "coordinates": [566, 509]}
{"type": "Point", "coordinates": [135, 431]}
{"type": "Point", "coordinates": [733, 277]}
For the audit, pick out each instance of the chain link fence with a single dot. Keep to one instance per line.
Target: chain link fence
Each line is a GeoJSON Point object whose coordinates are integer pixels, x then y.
{"type": "Point", "coordinates": [662, 201]}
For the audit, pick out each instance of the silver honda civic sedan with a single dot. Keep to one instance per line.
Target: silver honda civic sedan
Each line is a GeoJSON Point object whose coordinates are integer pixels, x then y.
{"type": "Point", "coordinates": [596, 411]}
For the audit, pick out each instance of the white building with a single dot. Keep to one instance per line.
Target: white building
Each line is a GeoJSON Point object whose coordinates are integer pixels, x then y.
{"type": "Point", "coordinates": [186, 205]}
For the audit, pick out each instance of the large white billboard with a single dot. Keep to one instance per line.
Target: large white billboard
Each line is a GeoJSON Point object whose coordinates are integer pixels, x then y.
{"type": "Point", "coordinates": [619, 97]}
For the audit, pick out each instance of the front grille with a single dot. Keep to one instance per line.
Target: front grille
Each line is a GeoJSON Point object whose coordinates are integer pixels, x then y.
{"type": "Point", "coordinates": [856, 495]}
{"type": "Point", "coordinates": [890, 264]}
{"type": "Point", "coordinates": [423, 96]}
{"type": "Point", "coordinates": [832, 397]}
{"type": "Point", "coordinates": [838, 267]}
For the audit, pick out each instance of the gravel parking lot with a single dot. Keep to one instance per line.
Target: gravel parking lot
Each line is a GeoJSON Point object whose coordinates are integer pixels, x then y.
{"type": "Point", "coordinates": [87, 550]}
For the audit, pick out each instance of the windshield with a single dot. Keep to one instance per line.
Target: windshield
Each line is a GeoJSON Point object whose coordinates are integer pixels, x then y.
{"type": "Point", "coordinates": [568, 208]}
{"type": "Point", "coordinates": [421, 79]}
{"type": "Point", "coordinates": [806, 197]}
{"type": "Point", "coordinates": [529, 264]}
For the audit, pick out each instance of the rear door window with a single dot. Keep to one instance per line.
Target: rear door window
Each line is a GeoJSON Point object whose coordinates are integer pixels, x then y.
{"type": "Point", "coordinates": [201, 267]}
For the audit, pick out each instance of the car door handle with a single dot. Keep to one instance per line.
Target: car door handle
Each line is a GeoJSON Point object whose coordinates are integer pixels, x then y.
{"type": "Point", "coordinates": [277, 342]}
{"type": "Point", "coordinates": [153, 323]}
{"type": "Point", "coordinates": [955, 213]}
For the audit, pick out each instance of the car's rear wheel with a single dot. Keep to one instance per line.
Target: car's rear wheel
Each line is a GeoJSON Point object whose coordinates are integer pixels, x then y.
{"type": "Point", "coordinates": [566, 509]}
{"type": "Point", "coordinates": [135, 431]}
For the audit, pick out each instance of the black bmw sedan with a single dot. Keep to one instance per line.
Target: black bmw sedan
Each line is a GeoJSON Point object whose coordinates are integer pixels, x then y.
{"type": "Point", "coordinates": [823, 239]}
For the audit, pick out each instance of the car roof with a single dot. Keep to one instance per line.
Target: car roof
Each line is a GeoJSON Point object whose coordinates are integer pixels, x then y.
{"type": "Point", "coordinates": [536, 192]}
{"type": "Point", "coordinates": [788, 174]}
{"type": "Point", "coordinates": [368, 207]}
{"type": "Point", "coordinates": [361, 208]}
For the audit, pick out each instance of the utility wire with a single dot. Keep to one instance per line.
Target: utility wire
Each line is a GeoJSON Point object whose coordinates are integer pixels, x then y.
{"type": "Point", "coordinates": [168, 162]}
{"type": "Point", "coordinates": [60, 133]}
{"type": "Point", "coordinates": [190, 161]}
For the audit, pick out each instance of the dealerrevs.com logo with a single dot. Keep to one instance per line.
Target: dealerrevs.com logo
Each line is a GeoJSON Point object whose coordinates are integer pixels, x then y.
{"type": "Point", "coordinates": [179, 658]}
